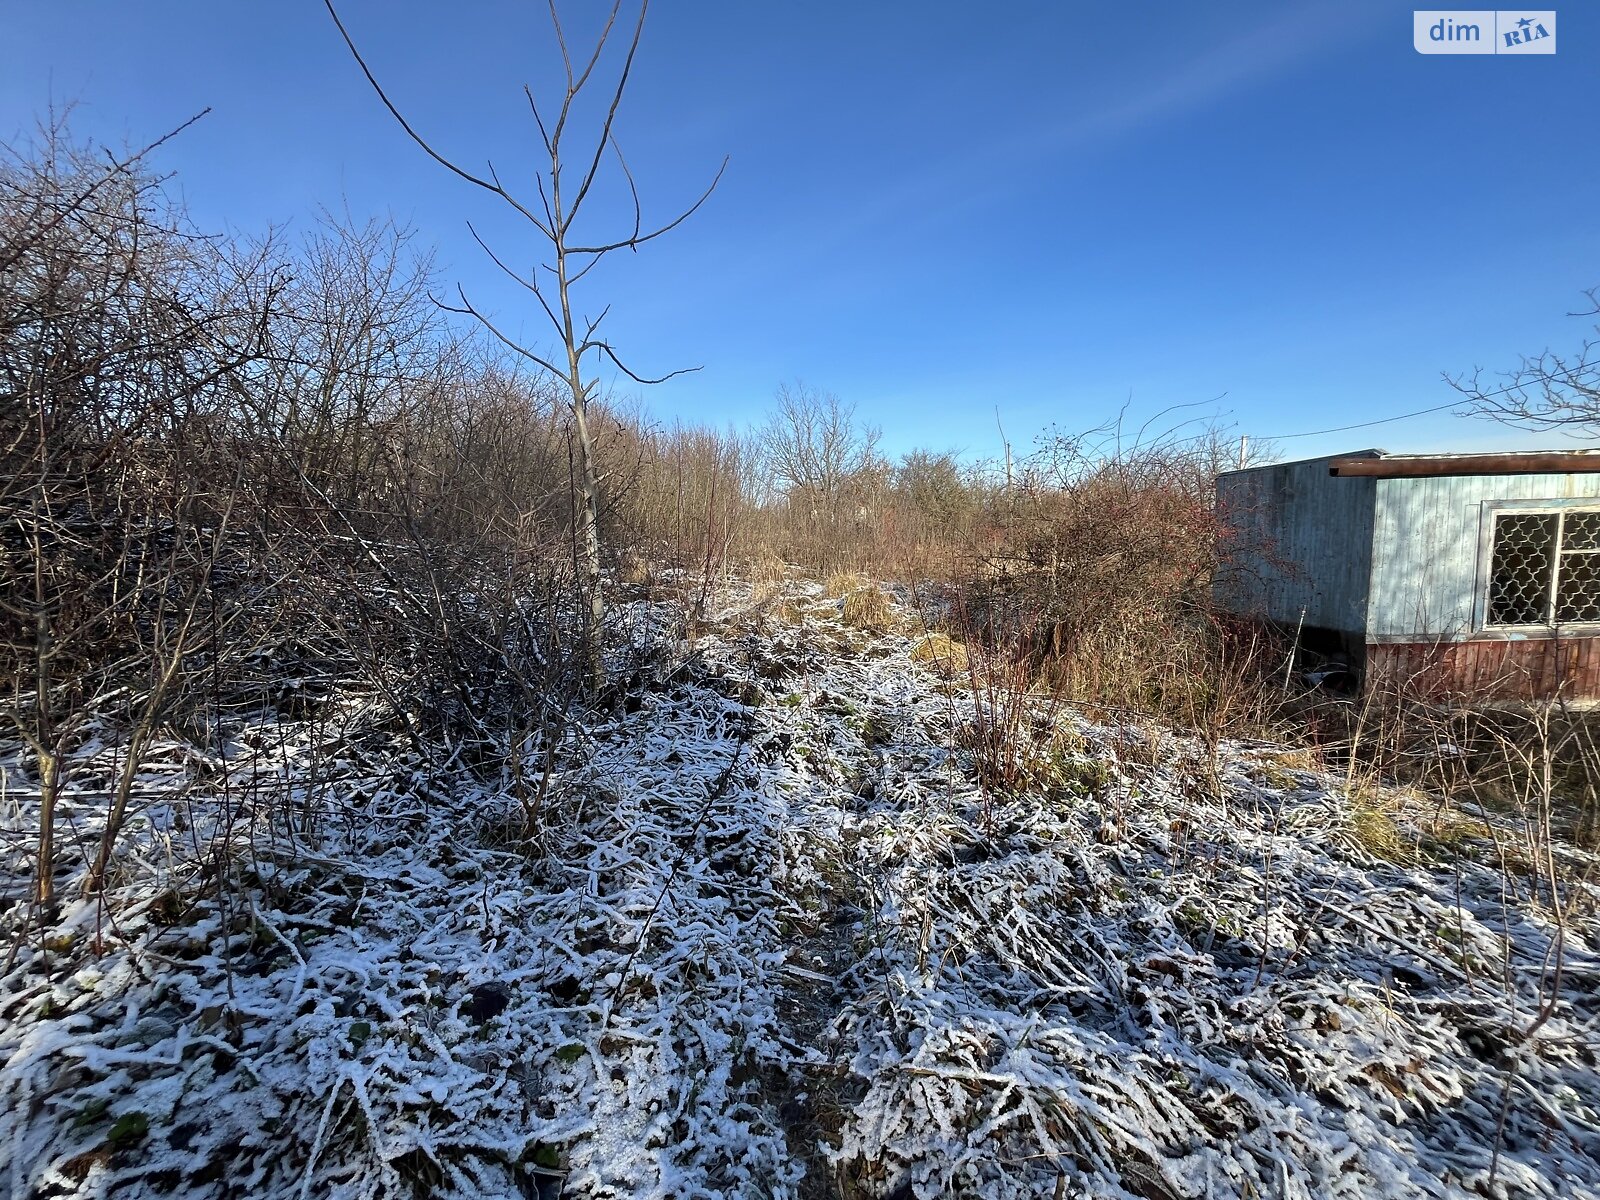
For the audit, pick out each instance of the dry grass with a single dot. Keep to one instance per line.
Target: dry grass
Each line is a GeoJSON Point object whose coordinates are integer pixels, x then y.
{"type": "Point", "coordinates": [1374, 829]}
{"type": "Point", "coordinates": [766, 567]}
{"type": "Point", "coordinates": [1440, 828]}
{"type": "Point", "coordinates": [868, 607]}
{"type": "Point", "coordinates": [1284, 770]}
{"type": "Point", "coordinates": [842, 583]}
{"type": "Point", "coordinates": [941, 652]}
{"type": "Point", "coordinates": [1453, 831]}
{"type": "Point", "coordinates": [766, 572]}
{"type": "Point", "coordinates": [1294, 759]}
{"type": "Point", "coordinates": [634, 570]}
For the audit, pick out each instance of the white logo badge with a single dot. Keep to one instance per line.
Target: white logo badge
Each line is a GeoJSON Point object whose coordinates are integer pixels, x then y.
{"type": "Point", "coordinates": [1483, 31]}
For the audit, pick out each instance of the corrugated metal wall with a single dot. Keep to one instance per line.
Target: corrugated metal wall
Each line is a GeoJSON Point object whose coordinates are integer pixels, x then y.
{"type": "Point", "coordinates": [1302, 540]}
{"type": "Point", "coordinates": [1424, 566]}
{"type": "Point", "coordinates": [1530, 669]}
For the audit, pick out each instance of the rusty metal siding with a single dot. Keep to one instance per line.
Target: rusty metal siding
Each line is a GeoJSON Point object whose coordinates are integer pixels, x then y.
{"type": "Point", "coordinates": [1522, 669]}
{"type": "Point", "coordinates": [1427, 539]}
{"type": "Point", "coordinates": [1300, 542]}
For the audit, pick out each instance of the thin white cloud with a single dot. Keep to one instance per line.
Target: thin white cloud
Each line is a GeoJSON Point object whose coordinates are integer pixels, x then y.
{"type": "Point", "coordinates": [972, 178]}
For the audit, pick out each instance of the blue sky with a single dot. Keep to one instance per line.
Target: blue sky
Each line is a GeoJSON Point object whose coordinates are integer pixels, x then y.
{"type": "Point", "coordinates": [935, 209]}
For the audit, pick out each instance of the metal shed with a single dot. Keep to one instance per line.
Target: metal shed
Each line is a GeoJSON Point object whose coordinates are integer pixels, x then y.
{"type": "Point", "coordinates": [1471, 573]}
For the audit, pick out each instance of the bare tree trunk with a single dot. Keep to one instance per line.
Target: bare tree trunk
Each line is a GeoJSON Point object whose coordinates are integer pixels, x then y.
{"type": "Point", "coordinates": [588, 516]}
{"type": "Point", "coordinates": [589, 540]}
{"type": "Point", "coordinates": [44, 728]}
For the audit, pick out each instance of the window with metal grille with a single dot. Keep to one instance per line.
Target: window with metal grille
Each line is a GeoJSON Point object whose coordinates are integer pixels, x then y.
{"type": "Point", "coordinates": [1545, 568]}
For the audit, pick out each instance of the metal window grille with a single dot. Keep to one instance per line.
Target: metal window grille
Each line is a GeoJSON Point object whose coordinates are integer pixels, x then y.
{"type": "Point", "coordinates": [1545, 568]}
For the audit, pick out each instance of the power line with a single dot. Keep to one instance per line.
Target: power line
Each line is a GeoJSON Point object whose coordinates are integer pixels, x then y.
{"type": "Point", "coordinates": [1422, 412]}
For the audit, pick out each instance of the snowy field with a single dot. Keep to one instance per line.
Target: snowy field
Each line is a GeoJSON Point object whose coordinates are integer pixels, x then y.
{"type": "Point", "coordinates": [774, 941]}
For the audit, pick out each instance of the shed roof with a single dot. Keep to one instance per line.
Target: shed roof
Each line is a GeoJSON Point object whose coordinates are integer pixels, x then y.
{"type": "Point", "coordinates": [1379, 465]}
{"type": "Point", "coordinates": [1300, 462]}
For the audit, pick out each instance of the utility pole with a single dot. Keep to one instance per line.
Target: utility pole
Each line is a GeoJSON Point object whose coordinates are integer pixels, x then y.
{"type": "Point", "coordinates": [1007, 445]}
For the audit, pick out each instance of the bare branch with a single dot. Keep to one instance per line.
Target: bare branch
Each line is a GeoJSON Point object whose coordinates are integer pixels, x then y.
{"type": "Point", "coordinates": [468, 309]}
{"type": "Point", "coordinates": [416, 137]}
{"type": "Point", "coordinates": [1555, 392]}
{"type": "Point", "coordinates": [531, 284]}
{"type": "Point", "coordinates": [611, 113]}
{"type": "Point", "coordinates": [606, 349]}
{"type": "Point", "coordinates": [633, 191]}
{"type": "Point", "coordinates": [637, 241]}
{"type": "Point", "coordinates": [575, 85]}
{"type": "Point", "coordinates": [117, 168]}
{"type": "Point", "coordinates": [538, 120]}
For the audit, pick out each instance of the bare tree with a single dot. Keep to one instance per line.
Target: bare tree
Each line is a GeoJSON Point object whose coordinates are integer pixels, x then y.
{"type": "Point", "coordinates": [1558, 392]}
{"type": "Point", "coordinates": [562, 192]}
{"type": "Point", "coordinates": [816, 448]}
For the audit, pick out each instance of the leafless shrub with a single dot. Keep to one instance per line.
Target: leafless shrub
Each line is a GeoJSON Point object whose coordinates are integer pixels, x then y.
{"type": "Point", "coordinates": [683, 500]}
{"type": "Point", "coordinates": [1105, 551]}
{"type": "Point", "coordinates": [121, 345]}
{"type": "Point", "coordinates": [1464, 746]}
{"type": "Point", "coordinates": [1014, 736]}
{"type": "Point", "coordinates": [226, 469]}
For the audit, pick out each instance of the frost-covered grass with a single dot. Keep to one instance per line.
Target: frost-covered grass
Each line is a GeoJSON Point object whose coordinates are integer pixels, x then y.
{"type": "Point", "coordinates": [774, 940]}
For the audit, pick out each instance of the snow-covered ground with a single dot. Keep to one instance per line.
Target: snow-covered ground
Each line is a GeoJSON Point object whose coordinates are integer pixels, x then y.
{"type": "Point", "coordinates": [775, 941]}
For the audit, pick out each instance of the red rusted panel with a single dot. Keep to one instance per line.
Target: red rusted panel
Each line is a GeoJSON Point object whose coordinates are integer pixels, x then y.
{"type": "Point", "coordinates": [1492, 669]}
